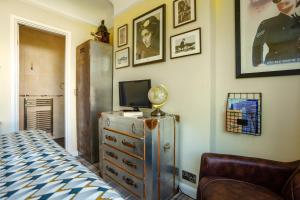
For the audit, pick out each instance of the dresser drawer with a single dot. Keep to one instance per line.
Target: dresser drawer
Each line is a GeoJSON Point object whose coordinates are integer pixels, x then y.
{"type": "Point", "coordinates": [125, 124]}
{"type": "Point", "coordinates": [125, 143]}
{"type": "Point", "coordinates": [131, 183]}
{"type": "Point", "coordinates": [131, 164]}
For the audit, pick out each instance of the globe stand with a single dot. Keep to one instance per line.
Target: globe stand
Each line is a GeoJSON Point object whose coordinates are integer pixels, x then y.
{"type": "Point", "coordinates": [158, 112]}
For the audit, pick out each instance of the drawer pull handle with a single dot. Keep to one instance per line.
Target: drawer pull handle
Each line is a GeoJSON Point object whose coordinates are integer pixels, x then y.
{"type": "Point", "coordinates": [111, 138]}
{"type": "Point", "coordinates": [111, 170]}
{"type": "Point", "coordinates": [129, 163]}
{"type": "Point", "coordinates": [129, 181]}
{"type": "Point", "coordinates": [111, 154]}
{"type": "Point", "coordinates": [128, 144]}
{"type": "Point", "coordinates": [133, 128]}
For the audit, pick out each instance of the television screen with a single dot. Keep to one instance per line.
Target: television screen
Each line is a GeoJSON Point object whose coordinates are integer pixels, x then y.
{"type": "Point", "coordinates": [135, 93]}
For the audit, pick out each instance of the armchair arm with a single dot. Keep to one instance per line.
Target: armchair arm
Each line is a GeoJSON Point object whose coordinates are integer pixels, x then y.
{"type": "Point", "coordinates": [267, 173]}
{"type": "Point", "coordinates": [291, 191]}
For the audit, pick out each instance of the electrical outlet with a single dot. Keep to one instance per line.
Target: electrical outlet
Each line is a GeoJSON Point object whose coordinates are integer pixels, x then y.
{"type": "Point", "coordinates": [189, 176]}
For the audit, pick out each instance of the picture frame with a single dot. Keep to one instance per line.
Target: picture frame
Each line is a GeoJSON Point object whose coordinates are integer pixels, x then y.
{"type": "Point", "coordinates": [122, 58]}
{"type": "Point", "coordinates": [122, 35]}
{"type": "Point", "coordinates": [149, 37]}
{"type": "Point", "coordinates": [184, 12]}
{"type": "Point", "coordinates": [259, 53]}
{"type": "Point", "coordinates": [185, 44]}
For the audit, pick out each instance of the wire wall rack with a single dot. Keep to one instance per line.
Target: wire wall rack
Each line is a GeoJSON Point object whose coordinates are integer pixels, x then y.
{"type": "Point", "coordinates": [243, 113]}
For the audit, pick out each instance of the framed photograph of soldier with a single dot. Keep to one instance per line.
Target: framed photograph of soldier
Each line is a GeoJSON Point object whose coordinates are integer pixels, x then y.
{"type": "Point", "coordinates": [122, 58]}
{"type": "Point", "coordinates": [185, 44]}
{"type": "Point", "coordinates": [149, 37]}
{"type": "Point", "coordinates": [184, 12]}
{"type": "Point", "coordinates": [122, 35]}
{"type": "Point", "coordinates": [267, 38]}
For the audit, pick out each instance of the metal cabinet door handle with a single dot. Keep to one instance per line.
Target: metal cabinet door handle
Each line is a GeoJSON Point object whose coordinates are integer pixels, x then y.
{"type": "Point", "coordinates": [128, 144]}
{"type": "Point", "coordinates": [129, 181]}
{"type": "Point", "coordinates": [129, 163]}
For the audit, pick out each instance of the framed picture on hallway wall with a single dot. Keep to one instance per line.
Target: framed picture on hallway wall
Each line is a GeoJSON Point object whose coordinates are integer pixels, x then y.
{"type": "Point", "coordinates": [267, 38]}
{"type": "Point", "coordinates": [122, 35]}
{"type": "Point", "coordinates": [184, 12]}
{"type": "Point", "coordinates": [149, 37]}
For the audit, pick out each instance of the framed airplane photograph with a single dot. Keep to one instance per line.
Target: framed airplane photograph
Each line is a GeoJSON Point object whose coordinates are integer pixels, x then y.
{"type": "Point", "coordinates": [185, 44]}
{"type": "Point", "coordinates": [122, 58]}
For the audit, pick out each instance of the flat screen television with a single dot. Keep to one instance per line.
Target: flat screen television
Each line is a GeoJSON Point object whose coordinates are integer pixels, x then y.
{"type": "Point", "coordinates": [134, 94]}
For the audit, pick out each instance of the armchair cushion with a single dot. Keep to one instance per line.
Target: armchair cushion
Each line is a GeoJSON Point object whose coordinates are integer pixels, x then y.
{"type": "Point", "coordinates": [217, 188]}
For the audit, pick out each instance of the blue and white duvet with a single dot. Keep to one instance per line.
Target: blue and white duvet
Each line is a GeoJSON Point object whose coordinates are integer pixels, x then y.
{"type": "Point", "coordinates": [33, 166]}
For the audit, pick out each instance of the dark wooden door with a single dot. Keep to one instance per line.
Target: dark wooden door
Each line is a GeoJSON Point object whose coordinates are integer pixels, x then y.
{"type": "Point", "coordinates": [83, 100]}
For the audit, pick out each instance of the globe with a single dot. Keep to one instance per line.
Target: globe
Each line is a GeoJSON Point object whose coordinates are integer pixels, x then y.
{"type": "Point", "coordinates": [158, 96]}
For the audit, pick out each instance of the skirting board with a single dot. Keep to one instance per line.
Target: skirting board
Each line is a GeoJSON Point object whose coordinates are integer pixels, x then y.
{"type": "Point", "coordinates": [74, 153]}
{"type": "Point", "coordinates": [188, 190]}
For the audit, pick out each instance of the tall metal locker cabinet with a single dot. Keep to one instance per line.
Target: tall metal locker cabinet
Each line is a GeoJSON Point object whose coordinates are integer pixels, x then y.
{"type": "Point", "coordinates": [94, 94]}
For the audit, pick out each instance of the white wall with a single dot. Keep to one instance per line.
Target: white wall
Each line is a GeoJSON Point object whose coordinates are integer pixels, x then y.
{"type": "Point", "coordinates": [80, 32]}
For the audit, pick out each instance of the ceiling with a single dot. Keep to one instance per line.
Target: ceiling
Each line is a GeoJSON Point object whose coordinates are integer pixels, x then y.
{"type": "Point", "coordinates": [90, 11]}
{"type": "Point", "coordinates": [121, 5]}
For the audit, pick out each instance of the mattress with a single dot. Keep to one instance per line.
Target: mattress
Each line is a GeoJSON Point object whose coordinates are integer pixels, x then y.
{"type": "Point", "coordinates": [33, 166]}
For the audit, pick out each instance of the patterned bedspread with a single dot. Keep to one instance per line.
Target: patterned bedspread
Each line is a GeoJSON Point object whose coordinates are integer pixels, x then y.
{"type": "Point", "coordinates": [33, 166]}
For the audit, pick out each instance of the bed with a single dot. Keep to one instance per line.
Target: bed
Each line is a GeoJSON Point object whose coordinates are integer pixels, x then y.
{"type": "Point", "coordinates": [33, 166]}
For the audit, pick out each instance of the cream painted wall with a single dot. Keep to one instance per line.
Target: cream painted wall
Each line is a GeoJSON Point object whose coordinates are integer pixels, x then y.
{"type": "Point", "coordinates": [198, 87]}
{"type": "Point", "coordinates": [80, 32]}
{"type": "Point", "coordinates": [187, 79]}
{"type": "Point", "coordinates": [280, 137]}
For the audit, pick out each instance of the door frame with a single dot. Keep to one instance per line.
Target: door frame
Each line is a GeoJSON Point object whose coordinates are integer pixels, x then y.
{"type": "Point", "coordinates": [16, 21]}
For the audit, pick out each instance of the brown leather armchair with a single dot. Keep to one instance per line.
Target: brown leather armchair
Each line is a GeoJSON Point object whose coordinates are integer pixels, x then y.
{"type": "Point", "coordinates": [227, 177]}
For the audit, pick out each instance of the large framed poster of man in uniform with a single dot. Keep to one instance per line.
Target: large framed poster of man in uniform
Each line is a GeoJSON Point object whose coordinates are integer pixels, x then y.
{"type": "Point", "coordinates": [267, 37]}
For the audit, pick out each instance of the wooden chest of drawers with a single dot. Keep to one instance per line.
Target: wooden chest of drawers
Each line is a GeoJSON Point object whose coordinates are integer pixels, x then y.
{"type": "Point", "coordinates": [140, 154]}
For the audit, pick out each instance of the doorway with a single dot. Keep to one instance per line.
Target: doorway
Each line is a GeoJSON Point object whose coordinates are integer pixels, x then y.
{"type": "Point", "coordinates": [16, 22]}
{"type": "Point", "coordinates": [41, 82]}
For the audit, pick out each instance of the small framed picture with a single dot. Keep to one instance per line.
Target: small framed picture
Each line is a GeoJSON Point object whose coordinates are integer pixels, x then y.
{"type": "Point", "coordinates": [149, 37]}
{"type": "Point", "coordinates": [185, 44]}
{"type": "Point", "coordinates": [184, 11]}
{"type": "Point", "coordinates": [122, 58]}
{"type": "Point", "coordinates": [122, 35]}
